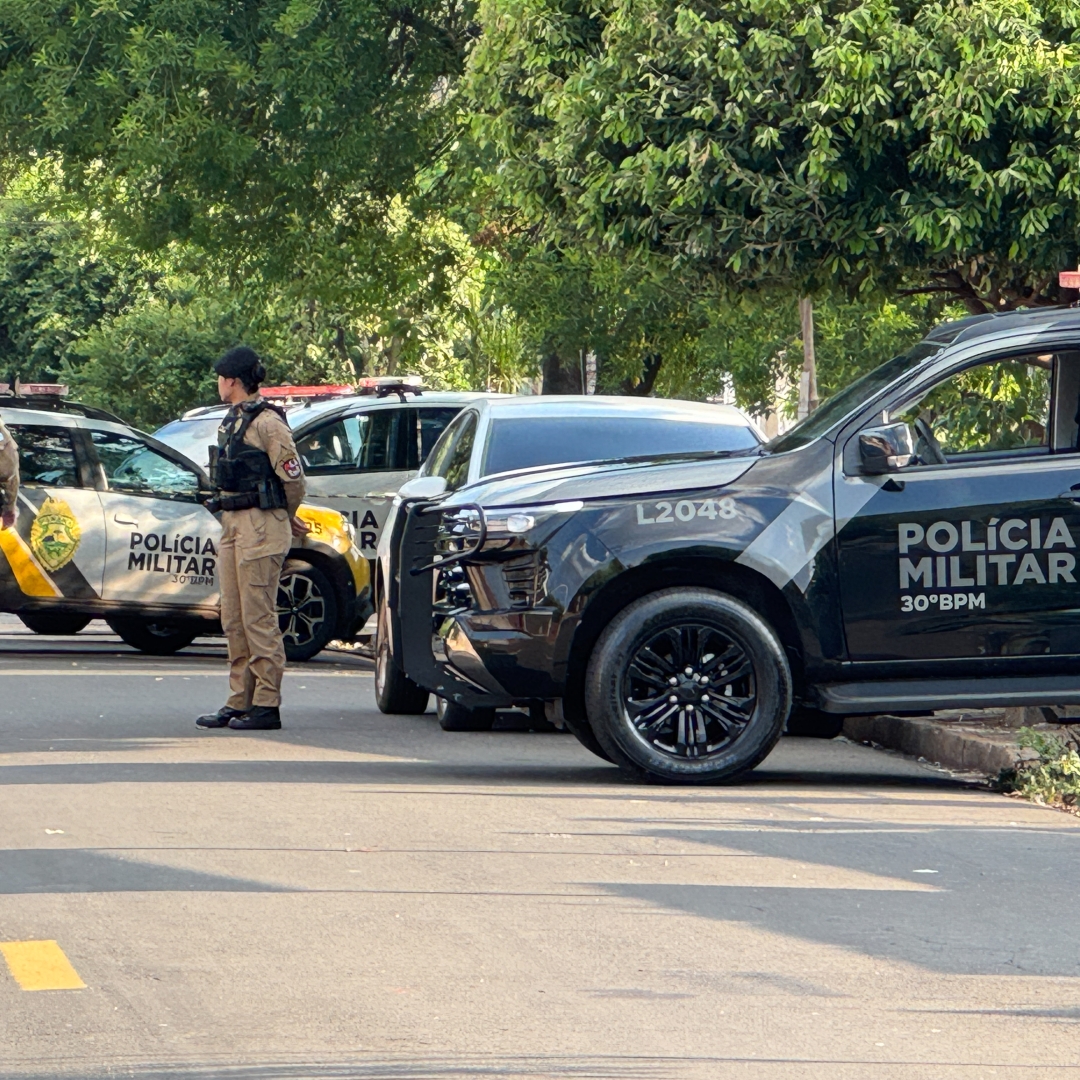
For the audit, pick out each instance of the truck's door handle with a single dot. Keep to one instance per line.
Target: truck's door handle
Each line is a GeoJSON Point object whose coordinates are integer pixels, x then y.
{"type": "Point", "coordinates": [134, 524]}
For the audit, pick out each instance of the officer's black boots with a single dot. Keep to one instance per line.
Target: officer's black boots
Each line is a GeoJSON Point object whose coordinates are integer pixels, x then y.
{"type": "Point", "coordinates": [257, 718]}
{"type": "Point", "coordinates": [219, 719]}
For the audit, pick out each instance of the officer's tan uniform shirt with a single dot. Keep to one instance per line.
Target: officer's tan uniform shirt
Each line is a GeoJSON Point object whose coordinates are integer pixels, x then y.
{"type": "Point", "coordinates": [9, 468]}
{"type": "Point", "coordinates": [254, 544]}
{"type": "Point", "coordinates": [267, 532]}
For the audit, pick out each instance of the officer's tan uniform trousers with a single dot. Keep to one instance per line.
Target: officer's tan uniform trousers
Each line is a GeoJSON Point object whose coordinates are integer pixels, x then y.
{"type": "Point", "coordinates": [249, 588]}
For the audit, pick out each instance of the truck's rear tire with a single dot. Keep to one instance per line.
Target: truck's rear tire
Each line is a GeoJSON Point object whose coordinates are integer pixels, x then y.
{"type": "Point", "coordinates": [688, 686]}
{"type": "Point", "coordinates": [59, 623]}
{"type": "Point", "coordinates": [158, 637]}
{"type": "Point", "coordinates": [454, 717]}
{"type": "Point", "coordinates": [395, 692]}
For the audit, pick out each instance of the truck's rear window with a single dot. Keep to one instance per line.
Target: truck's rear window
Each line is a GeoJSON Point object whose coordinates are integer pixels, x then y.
{"type": "Point", "coordinates": [527, 442]}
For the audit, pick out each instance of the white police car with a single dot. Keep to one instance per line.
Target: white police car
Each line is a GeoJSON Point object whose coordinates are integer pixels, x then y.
{"type": "Point", "coordinates": [111, 526]}
{"type": "Point", "coordinates": [512, 437]}
{"type": "Point", "coordinates": [357, 446]}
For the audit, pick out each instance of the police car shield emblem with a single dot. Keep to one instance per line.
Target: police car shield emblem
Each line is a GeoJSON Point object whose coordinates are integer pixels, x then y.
{"type": "Point", "coordinates": [55, 534]}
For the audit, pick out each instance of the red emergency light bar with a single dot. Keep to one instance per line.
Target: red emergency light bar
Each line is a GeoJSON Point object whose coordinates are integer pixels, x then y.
{"type": "Point", "coordinates": [35, 389]}
{"type": "Point", "coordinates": [338, 390]}
{"type": "Point", "coordinates": [1069, 279]}
{"type": "Point", "coordinates": [385, 385]}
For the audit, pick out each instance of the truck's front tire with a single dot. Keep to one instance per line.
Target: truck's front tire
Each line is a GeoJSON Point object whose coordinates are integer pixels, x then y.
{"type": "Point", "coordinates": [688, 686]}
{"type": "Point", "coordinates": [395, 692]}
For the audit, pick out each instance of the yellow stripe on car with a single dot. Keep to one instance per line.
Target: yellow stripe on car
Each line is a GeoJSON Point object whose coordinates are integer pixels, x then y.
{"type": "Point", "coordinates": [32, 580]}
{"type": "Point", "coordinates": [328, 527]}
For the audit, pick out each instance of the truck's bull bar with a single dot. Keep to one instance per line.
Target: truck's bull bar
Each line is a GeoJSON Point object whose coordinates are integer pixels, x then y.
{"type": "Point", "coordinates": [419, 559]}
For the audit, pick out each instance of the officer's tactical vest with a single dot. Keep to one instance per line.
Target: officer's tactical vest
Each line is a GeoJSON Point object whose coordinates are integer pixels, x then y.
{"type": "Point", "coordinates": [237, 467]}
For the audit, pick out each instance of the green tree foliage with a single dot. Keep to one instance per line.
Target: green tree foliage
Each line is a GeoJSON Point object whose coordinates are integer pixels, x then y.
{"type": "Point", "coordinates": [274, 134]}
{"type": "Point", "coordinates": [769, 142]}
{"type": "Point", "coordinates": [630, 316]}
{"type": "Point", "coordinates": [752, 346]}
{"type": "Point", "coordinates": [137, 332]}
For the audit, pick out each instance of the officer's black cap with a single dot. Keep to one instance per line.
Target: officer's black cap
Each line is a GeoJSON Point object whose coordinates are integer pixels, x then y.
{"type": "Point", "coordinates": [241, 363]}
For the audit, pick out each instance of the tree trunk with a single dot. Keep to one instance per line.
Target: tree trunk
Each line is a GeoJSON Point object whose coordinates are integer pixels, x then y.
{"type": "Point", "coordinates": [808, 395]}
{"type": "Point", "coordinates": [644, 386]}
{"type": "Point", "coordinates": [561, 377]}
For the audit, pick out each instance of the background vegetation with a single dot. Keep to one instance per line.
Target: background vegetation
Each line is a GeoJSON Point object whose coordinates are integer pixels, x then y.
{"type": "Point", "coordinates": [490, 194]}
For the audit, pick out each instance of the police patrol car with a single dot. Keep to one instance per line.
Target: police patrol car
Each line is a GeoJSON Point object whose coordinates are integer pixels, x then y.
{"type": "Point", "coordinates": [358, 444]}
{"type": "Point", "coordinates": [496, 436]}
{"type": "Point", "coordinates": [111, 526]}
{"type": "Point", "coordinates": [911, 545]}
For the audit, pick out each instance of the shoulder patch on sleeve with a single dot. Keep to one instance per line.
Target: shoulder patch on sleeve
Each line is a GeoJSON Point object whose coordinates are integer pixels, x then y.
{"type": "Point", "coordinates": [291, 468]}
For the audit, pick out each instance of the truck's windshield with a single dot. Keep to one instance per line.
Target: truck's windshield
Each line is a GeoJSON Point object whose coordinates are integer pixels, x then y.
{"type": "Point", "coordinates": [832, 410]}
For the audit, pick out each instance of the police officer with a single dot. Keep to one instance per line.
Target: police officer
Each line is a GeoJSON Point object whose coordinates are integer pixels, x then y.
{"type": "Point", "coordinates": [259, 486]}
{"type": "Point", "coordinates": [9, 477]}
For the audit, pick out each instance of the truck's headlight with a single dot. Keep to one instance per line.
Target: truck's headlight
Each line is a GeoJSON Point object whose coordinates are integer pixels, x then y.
{"type": "Point", "coordinates": [519, 520]}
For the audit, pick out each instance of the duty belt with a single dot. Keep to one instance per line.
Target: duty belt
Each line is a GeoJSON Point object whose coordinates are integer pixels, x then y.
{"type": "Point", "coordinates": [245, 501]}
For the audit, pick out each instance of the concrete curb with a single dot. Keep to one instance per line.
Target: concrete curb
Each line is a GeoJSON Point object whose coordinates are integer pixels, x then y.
{"type": "Point", "coordinates": [949, 743]}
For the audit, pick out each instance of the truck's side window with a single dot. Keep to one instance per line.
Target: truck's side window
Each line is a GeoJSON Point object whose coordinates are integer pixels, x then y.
{"type": "Point", "coordinates": [996, 409]}
{"type": "Point", "coordinates": [46, 456]}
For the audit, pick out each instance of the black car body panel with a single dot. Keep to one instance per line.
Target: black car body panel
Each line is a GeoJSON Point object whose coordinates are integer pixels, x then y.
{"type": "Point", "coordinates": [963, 570]}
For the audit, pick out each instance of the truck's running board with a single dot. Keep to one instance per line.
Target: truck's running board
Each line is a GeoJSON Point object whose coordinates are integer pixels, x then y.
{"type": "Point", "coordinates": [917, 695]}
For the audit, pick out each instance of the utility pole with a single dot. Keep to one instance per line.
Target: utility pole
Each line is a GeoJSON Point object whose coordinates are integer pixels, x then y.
{"type": "Point", "coordinates": [808, 397]}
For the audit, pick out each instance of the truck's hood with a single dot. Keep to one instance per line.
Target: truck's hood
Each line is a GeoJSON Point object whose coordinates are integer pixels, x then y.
{"type": "Point", "coordinates": [614, 480]}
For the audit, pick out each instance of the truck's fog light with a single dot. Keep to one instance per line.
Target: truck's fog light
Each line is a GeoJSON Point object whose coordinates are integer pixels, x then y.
{"type": "Point", "coordinates": [519, 523]}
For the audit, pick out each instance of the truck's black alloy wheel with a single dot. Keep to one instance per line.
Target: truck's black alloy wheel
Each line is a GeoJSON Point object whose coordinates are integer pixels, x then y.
{"type": "Point", "coordinates": [159, 637]}
{"type": "Point", "coordinates": [688, 685]}
{"type": "Point", "coordinates": [454, 717]}
{"type": "Point", "coordinates": [54, 622]}
{"type": "Point", "coordinates": [307, 610]}
{"type": "Point", "coordinates": [395, 693]}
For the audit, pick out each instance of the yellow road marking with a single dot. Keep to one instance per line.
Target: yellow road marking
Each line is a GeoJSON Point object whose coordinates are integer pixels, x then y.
{"type": "Point", "coordinates": [33, 581]}
{"type": "Point", "coordinates": [40, 965]}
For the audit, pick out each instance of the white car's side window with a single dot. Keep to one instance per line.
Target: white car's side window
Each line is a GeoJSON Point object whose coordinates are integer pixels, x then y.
{"type": "Point", "coordinates": [133, 467]}
{"type": "Point", "coordinates": [46, 456]}
{"type": "Point", "coordinates": [361, 442]}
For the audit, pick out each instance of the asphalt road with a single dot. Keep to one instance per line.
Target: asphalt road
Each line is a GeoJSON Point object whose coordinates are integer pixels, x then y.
{"type": "Point", "coordinates": [366, 896]}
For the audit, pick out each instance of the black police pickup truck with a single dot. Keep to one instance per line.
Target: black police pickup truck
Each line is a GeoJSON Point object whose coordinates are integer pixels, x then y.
{"type": "Point", "coordinates": [912, 545]}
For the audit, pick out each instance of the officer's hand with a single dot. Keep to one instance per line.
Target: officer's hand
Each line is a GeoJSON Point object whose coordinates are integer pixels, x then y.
{"type": "Point", "coordinates": [299, 528]}
{"type": "Point", "coordinates": [7, 519]}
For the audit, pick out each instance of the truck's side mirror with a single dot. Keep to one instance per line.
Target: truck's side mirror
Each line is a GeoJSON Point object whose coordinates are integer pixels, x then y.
{"type": "Point", "coordinates": [423, 487]}
{"type": "Point", "coordinates": [885, 449]}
